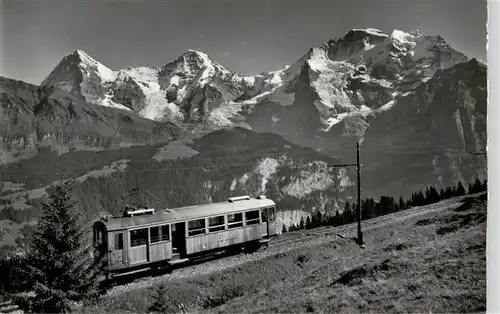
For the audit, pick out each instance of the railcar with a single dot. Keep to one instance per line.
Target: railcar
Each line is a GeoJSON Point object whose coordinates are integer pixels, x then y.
{"type": "Point", "coordinates": [143, 238]}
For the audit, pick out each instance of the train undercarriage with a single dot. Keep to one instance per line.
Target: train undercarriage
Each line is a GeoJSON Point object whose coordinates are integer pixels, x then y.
{"type": "Point", "coordinates": [129, 274]}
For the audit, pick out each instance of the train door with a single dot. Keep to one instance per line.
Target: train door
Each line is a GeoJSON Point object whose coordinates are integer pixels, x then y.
{"type": "Point", "coordinates": [138, 251]}
{"type": "Point", "coordinates": [179, 239]}
{"type": "Point", "coordinates": [100, 240]}
{"type": "Point", "coordinates": [269, 218]}
{"type": "Point", "coordinates": [271, 224]}
{"type": "Point", "coordinates": [116, 248]}
{"type": "Point", "coordinates": [265, 220]}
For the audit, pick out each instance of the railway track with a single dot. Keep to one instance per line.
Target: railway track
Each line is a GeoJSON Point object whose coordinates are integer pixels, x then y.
{"type": "Point", "coordinates": [285, 243]}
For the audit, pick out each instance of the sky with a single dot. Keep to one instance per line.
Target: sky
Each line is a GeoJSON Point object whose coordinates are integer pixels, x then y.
{"type": "Point", "coordinates": [247, 36]}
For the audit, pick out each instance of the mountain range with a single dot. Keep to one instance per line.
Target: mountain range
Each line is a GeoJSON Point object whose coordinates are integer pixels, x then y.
{"type": "Point", "coordinates": [386, 91]}
{"type": "Point", "coordinates": [416, 106]}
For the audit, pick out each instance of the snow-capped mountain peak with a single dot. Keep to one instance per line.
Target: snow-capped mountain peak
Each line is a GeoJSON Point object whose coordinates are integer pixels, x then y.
{"type": "Point", "coordinates": [356, 73]}
{"type": "Point", "coordinates": [89, 63]}
{"type": "Point", "coordinates": [85, 57]}
{"type": "Point", "coordinates": [365, 31]}
{"type": "Point", "coordinates": [200, 54]}
{"type": "Point", "coordinates": [401, 40]}
{"type": "Point", "coordinates": [359, 74]}
{"type": "Point", "coordinates": [80, 60]}
{"type": "Point", "coordinates": [81, 75]}
{"type": "Point", "coordinates": [196, 65]}
{"type": "Point", "coordinates": [206, 65]}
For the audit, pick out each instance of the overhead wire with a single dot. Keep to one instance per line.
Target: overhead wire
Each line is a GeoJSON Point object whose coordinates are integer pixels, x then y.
{"type": "Point", "coordinates": [218, 166]}
{"type": "Point", "coordinates": [300, 157]}
{"type": "Point", "coordinates": [399, 149]}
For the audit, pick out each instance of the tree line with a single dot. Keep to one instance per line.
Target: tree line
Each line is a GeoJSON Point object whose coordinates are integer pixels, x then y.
{"type": "Point", "coordinates": [387, 205]}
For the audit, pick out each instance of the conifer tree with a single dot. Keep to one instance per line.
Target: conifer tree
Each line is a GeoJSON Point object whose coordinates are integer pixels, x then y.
{"type": "Point", "coordinates": [448, 192]}
{"type": "Point", "coordinates": [371, 207]}
{"type": "Point", "coordinates": [302, 224]}
{"type": "Point", "coordinates": [402, 204]}
{"type": "Point", "coordinates": [421, 198]}
{"type": "Point", "coordinates": [470, 189]}
{"type": "Point", "coordinates": [308, 223]}
{"type": "Point", "coordinates": [433, 195]}
{"type": "Point", "coordinates": [442, 195]}
{"type": "Point", "coordinates": [427, 196]}
{"type": "Point", "coordinates": [345, 217]}
{"type": "Point", "coordinates": [460, 190]}
{"type": "Point", "coordinates": [366, 209]}
{"type": "Point", "coordinates": [393, 205]}
{"type": "Point", "coordinates": [318, 220]}
{"type": "Point", "coordinates": [61, 262]}
{"type": "Point", "coordinates": [339, 218]}
{"type": "Point", "coordinates": [283, 230]}
{"type": "Point", "coordinates": [475, 187]}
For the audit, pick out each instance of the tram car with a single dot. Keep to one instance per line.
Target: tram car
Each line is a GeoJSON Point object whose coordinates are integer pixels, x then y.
{"type": "Point", "coordinates": [143, 238]}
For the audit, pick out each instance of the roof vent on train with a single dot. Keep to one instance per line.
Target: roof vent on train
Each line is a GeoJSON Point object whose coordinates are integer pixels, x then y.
{"type": "Point", "coordinates": [238, 198]}
{"type": "Point", "coordinates": [131, 211]}
{"type": "Point", "coordinates": [261, 197]}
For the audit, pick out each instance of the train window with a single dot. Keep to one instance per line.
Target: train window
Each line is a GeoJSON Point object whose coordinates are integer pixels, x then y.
{"type": "Point", "coordinates": [119, 241]}
{"type": "Point", "coordinates": [264, 214]}
{"type": "Point", "coordinates": [252, 217]}
{"type": "Point", "coordinates": [196, 227]}
{"type": "Point", "coordinates": [154, 234]}
{"type": "Point", "coordinates": [159, 233]}
{"type": "Point", "coordinates": [235, 220]}
{"type": "Point", "coordinates": [216, 223]}
{"type": "Point", "coordinates": [165, 233]}
{"type": "Point", "coordinates": [98, 237]}
{"type": "Point", "coordinates": [138, 237]}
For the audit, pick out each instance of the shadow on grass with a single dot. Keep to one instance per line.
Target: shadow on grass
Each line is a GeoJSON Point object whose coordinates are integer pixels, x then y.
{"type": "Point", "coordinates": [356, 275]}
{"type": "Point", "coordinates": [397, 247]}
{"type": "Point", "coordinates": [470, 213]}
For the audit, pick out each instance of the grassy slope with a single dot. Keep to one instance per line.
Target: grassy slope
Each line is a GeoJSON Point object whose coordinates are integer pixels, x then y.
{"type": "Point", "coordinates": [426, 263]}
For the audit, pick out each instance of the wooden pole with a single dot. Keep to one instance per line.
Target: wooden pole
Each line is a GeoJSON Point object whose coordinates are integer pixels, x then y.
{"type": "Point", "coordinates": [360, 234]}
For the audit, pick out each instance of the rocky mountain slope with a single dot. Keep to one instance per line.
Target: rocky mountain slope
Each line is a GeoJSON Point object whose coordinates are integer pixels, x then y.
{"type": "Point", "coordinates": [47, 116]}
{"type": "Point", "coordinates": [432, 134]}
{"type": "Point", "coordinates": [185, 90]}
{"type": "Point", "coordinates": [388, 91]}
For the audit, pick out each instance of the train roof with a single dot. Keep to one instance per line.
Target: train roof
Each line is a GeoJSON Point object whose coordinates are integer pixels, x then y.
{"type": "Point", "coordinates": [187, 213]}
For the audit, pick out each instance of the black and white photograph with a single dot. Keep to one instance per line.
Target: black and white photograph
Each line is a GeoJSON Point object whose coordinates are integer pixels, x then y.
{"type": "Point", "coordinates": [246, 156]}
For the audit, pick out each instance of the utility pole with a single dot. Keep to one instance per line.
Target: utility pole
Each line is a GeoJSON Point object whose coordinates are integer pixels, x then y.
{"type": "Point", "coordinates": [358, 208]}
{"type": "Point", "coordinates": [360, 234]}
